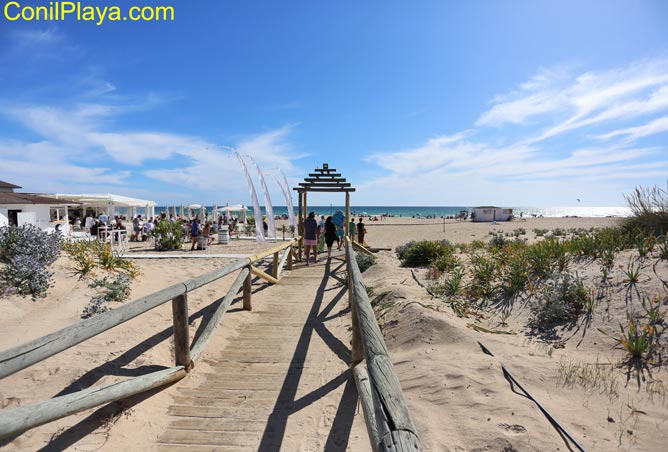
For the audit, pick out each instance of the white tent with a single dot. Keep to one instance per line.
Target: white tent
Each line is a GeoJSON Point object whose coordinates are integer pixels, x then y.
{"type": "Point", "coordinates": [108, 202]}
{"type": "Point", "coordinates": [242, 209]}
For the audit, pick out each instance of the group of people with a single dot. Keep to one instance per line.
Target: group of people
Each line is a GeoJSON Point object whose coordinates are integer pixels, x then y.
{"type": "Point", "coordinates": [313, 230]}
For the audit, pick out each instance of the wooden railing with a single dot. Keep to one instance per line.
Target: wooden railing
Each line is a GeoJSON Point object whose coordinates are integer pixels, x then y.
{"type": "Point", "coordinates": [26, 417]}
{"type": "Point", "coordinates": [387, 418]}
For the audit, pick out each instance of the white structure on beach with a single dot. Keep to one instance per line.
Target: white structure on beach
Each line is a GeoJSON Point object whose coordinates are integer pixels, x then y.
{"type": "Point", "coordinates": [108, 203]}
{"type": "Point", "coordinates": [44, 212]}
{"type": "Point", "coordinates": [491, 213]}
{"type": "Point", "coordinates": [239, 209]}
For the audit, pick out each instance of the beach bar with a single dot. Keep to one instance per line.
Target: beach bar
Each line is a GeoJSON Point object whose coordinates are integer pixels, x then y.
{"type": "Point", "coordinates": [38, 210]}
{"type": "Point", "coordinates": [491, 213]}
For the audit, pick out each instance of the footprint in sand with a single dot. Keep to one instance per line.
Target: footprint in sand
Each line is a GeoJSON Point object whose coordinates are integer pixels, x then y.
{"type": "Point", "coordinates": [513, 429]}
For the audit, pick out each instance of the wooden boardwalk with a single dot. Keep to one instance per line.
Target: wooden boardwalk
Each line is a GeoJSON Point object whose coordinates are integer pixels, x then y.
{"type": "Point", "coordinates": [284, 383]}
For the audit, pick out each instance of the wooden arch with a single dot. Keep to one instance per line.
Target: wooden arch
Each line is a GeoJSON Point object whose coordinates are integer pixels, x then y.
{"type": "Point", "coordinates": [324, 179]}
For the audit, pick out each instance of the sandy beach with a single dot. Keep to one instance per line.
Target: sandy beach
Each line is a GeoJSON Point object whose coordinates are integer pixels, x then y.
{"type": "Point", "coordinates": [458, 395]}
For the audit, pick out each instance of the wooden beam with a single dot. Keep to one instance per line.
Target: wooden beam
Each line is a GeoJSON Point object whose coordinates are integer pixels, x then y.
{"type": "Point", "coordinates": [310, 185]}
{"type": "Point", "coordinates": [267, 277]}
{"type": "Point", "coordinates": [323, 179]}
{"type": "Point", "coordinates": [30, 416]}
{"type": "Point", "coordinates": [324, 172]}
{"type": "Point", "coordinates": [382, 376]}
{"type": "Point", "coordinates": [330, 190]}
{"type": "Point", "coordinates": [366, 400]}
{"type": "Point", "coordinates": [291, 251]}
{"type": "Point", "coordinates": [32, 352]}
{"type": "Point", "coordinates": [361, 248]}
{"type": "Point", "coordinates": [286, 255]}
{"type": "Point", "coordinates": [217, 317]}
{"type": "Point", "coordinates": [181, 332]}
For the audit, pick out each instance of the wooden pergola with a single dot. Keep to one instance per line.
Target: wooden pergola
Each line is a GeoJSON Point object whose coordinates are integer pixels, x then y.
{"type": "Point", "coordinates": [324, 179]}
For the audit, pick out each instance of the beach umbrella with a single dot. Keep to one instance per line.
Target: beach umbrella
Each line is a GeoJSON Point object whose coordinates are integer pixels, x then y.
{"type": "Point", "coordinates": [215, 213]}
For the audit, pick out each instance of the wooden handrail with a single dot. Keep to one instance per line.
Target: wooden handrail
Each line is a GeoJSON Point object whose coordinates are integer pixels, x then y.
{"type": "Point", "coordinates": [392, 428]}
{"type": "Point", "coordinates": [23, 418]}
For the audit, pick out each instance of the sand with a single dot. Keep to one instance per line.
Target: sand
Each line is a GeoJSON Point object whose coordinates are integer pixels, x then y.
{"type": "Point", "coordinates": [458, 396]}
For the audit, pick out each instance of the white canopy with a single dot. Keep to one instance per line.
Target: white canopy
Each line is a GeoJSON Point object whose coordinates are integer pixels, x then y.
{"type": "Point", "coordinates": [233, 208]}
{"type": "Point", "coordinates": [103, 200]}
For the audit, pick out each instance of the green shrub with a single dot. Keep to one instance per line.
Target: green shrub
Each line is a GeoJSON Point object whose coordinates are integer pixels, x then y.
{"type": "Point", "coordinates": [364, 261]}
{"type": "Point", "coordinates": [561, 300]}
{"type": "Point", "coordinates": [168, 236]}
{"type": "Point", "coordinates": [424, 252]}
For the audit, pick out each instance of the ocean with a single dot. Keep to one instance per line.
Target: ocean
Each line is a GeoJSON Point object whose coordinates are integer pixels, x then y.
{"type": "Point", "coordinates": [444, 211]}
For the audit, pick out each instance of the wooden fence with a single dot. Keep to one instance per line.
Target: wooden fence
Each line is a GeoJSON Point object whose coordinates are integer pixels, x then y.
{"type": "Point", "coordinates": [26, 417]}
{"type": "Point", "coordinates": [387, 418]}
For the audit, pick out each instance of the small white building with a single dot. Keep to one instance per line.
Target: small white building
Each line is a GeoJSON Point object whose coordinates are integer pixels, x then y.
{"type": "Point", "coordinates": [491, 213]}
{"type": "Point", "coordinates": [28, 208]}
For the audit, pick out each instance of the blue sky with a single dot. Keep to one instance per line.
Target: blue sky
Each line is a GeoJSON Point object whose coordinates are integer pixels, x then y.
{"type": "Point", "coordinates": [416, 103]}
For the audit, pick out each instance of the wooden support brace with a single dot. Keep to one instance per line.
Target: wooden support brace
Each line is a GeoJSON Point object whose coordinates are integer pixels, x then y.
{"type": "Point", "coordinates": [267, 277]}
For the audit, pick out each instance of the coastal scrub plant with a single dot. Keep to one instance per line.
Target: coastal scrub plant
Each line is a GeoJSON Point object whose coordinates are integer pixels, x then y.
{"type": "Point", "coordinates": [115, 290]}
{"type": "Point", "coordinates": [364, 261]}
{"type": "Point", "coordinates": [649, 210]}
{"type": "Point", "coordinates": [81, 254]}
{"type": "Point", "coordinates": [561, 300]}
{"type": "Point", "coordinates": [27, 251]}
{"type": "Point", "coordinates": [113, 261]}
{"type": "Point", "coordinates": [424, 252]}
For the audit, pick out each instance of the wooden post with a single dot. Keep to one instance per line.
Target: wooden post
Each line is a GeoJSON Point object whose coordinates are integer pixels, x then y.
{"type": "Point", "coordinates": [181, 334]}
{"type": "Point", "coordinates": [274, 266]}
{"type": "Point", "coordinates": [247, 290]}
{"type": "Point", "coordinates": [299, 225]}
{"type": "Point", "coordinates": [347, 232]}
{"type": "Point", "coordinates": [290, 258]}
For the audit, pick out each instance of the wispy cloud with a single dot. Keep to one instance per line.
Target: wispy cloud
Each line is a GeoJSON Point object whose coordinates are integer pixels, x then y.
{"type": "Point", "coordinates": [471, 166]}
{"type": "Point", "coordinates": [81, 145]}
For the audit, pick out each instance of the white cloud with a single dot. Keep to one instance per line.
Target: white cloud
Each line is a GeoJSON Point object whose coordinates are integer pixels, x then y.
{"type": "Point", "coordinates": [658, 125]}
{"type": "Point", "coordinates": [589, 99]}
{"type": "Point", "coordinates": [472, 168]}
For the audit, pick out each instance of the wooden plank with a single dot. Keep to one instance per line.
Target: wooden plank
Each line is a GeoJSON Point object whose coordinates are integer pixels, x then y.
{"type": "Point", "coordinates": [181, 332]}
{"type": "Point", "coordinates": [323, 178]}
{"type": "Point", "coordinates": [29, 416]}
{"type": "Point", "coordinates": [162, 447]}
{"type": "Point", "coordinates": [329, 190]}
{"type": "Point", "coordinates": [322, 172]}
{"type": "Point", "coordinates": [217, 317]}
{"type": "Point", "coordinates": [358, 247]}
{"type": "Point", "coordinates": [195, 437]}
{"type": "Point", "coordinates": [32, 352]}
{"type": "Point", "coordinates": [324, 184]}
{"type": "Point", "coordinates": [366, 400]}
{"type": "Point", "coordinates": [267, 277]}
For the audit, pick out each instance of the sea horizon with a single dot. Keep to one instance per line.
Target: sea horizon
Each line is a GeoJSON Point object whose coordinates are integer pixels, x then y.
{"type": "Point", "coordinates": [442, 211]}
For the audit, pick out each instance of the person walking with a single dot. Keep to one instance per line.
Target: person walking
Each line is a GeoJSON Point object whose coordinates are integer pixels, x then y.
{"type": "Point", "coordinates": [311, 237]}
{"type": "Point", "coordinates": [194, 233]}
{"type": "Point", "coordinates": [361, 232]}
{"type": "Point", "coordinates": [340, 232]}
{"type": "Point", "coordinates": [351, 229]}
{"type": "Point", "coordinates": [330, 235]}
